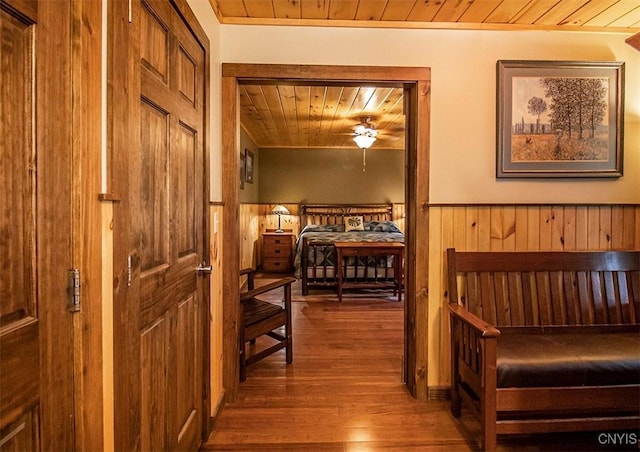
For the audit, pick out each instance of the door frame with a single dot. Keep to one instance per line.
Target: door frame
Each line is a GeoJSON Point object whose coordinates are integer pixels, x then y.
{"type": "Point", "coordinates": [416, 82]}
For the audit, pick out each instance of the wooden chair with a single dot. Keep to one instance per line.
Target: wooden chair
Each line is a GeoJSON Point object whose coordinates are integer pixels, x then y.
{"type": "Point", "coordinates": [259, 317]}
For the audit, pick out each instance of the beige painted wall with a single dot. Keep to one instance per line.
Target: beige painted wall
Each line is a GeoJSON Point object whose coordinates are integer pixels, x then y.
{"type": "Point", "coordinates": [463, 69]}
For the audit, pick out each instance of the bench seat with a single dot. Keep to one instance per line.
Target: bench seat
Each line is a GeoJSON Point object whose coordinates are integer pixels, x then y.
{"type": "Point", "coordinates": [553, 360]}
{"type": "Point", "coordinates": [545, 341]}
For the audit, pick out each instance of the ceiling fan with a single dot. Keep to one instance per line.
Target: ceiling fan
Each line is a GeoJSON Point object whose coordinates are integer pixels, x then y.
{"type": "Point", "coordinates": [364, 135]}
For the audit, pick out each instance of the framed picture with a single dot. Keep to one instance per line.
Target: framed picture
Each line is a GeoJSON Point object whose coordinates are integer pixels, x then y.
{"type": "Point", "coordinates": [559, 119]}
{"type": "Point", "coordinates": [248, 174]}
{"type": "Point", "coordinates": [242, 170]}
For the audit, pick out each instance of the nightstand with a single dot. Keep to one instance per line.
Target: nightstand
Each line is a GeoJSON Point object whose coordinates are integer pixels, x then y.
{"type": "Point", "coordinates": [277, 252]}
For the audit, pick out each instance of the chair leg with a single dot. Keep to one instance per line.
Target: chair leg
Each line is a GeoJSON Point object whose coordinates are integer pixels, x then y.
{"type": "Point", "coordinates": [289, 324]}
{"type": "Point", "coordinates": [243, 358]}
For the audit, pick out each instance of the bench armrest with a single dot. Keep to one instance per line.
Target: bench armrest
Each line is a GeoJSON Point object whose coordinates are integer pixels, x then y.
{"type": "Point", "coordinates": [267, 287]}
{"type": "Point", "coordinates": [485, 329]}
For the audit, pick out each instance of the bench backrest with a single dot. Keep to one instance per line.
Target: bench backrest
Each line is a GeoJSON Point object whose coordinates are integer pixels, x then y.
{"type": "Point", "coordinates": [547, 288]}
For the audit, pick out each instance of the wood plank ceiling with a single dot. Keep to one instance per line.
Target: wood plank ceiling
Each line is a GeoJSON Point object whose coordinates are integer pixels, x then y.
{"type": "Point", "coordinates": [288, 116]}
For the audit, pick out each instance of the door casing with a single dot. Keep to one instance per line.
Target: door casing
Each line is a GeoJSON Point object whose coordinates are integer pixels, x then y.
{"type": "Point", "coordinates": [416, 82]}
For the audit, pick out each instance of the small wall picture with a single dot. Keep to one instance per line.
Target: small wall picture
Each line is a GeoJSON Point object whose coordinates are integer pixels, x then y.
{"type": "Point", "coordinates": [242, 170]}
{"type": "Point", "coordinates": [248, 166]}
{"type": "Point", "coordinates": [559, 119]}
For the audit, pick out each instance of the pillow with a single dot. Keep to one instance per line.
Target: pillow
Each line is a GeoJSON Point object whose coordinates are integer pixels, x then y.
{"type": "Point", "coordinates": [353, 224]}
{"type": "Point", "coordinates": [381, 226]}
{"type": "Point", "coordinates": [323, 228]}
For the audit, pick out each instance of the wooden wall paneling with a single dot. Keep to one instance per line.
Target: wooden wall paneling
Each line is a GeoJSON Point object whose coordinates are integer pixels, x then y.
{"type": "Point", "coordinates": [438, 228]}
{"type": "Point", "coordinates": [557, 228]}
{"type": "Point", "coordinates": [568, 237]}
{"type": "Point", "coordinates": [484, 228]}
{"type": "Point", "coordinates": [249, 225]}
{"type": "Point", "coordinates": [471, 228]}
{"type": "Point", "coordinates": [605, 228]}
{"type": "Point", "coordinates": [617, 223]}
{"type": "Point", "coordinates": [545, 227]}
{"type": "Point", "coordinates": [593, 226]}
{"type": "Point", "coordinates": [215, 309]}
{"type": "Point", "coordinates": [533, 241]}
{"type": "Point", "coordinates": [521, 227]}
{"type": "Point", "coordinates": [496, 240]}
{"type": "Point", "coordinates": [581, 228]}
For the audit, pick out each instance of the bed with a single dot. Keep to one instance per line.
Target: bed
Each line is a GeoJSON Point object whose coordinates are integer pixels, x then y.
{"type": "Point", "coordinates": [323, 224]}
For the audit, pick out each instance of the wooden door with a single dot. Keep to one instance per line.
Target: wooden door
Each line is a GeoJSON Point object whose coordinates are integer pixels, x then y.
{"type": "Point", "coordinates": [160, 238]}
{"type": "Point", "coordinates": [36, 331]}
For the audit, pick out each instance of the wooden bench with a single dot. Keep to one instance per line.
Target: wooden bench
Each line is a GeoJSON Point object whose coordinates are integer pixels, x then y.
{"type": "Point", "coordinates": [545, 341]}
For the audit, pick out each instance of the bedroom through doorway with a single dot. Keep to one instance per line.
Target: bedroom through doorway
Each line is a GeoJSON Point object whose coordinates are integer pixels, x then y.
{"type": "Point", "coordinates": [396, 101]}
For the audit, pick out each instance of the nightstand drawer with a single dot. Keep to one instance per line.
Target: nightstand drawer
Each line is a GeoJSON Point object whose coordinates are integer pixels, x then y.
{"type": "Point", "coordinates": [284, 240]}
{"type": "Point", "coordinates": [272, 250]}
{"type": "Point", "coordinates": [276, 265]}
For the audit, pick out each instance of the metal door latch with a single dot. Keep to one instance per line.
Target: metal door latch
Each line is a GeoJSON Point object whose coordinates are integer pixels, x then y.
{"type": "Point", "coordinates": [204, 269]}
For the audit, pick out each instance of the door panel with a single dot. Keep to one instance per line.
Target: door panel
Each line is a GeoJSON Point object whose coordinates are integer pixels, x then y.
{"type": "Point", "coordinates": [36, 331]}
{"type": "Point", "coordinates": [19, 323]}
{"type": "Point", "coordinates": [165, 235]}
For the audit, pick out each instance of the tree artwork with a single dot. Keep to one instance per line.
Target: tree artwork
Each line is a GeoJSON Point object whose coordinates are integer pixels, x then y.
{"type": "Point", "coordinates": [559, 119]}
{"type": "Point", "coordinates": [565, 119]}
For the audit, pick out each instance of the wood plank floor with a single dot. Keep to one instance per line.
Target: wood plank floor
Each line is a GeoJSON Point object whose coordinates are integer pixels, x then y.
{"type": "Point", "coordinates": [344, 391]}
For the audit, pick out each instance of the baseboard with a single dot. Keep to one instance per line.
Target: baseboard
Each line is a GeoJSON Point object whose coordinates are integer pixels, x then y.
{"type": "Point", "coordinates": [439, 393]}
{"type": "Point", "coordinates": [219, 407]}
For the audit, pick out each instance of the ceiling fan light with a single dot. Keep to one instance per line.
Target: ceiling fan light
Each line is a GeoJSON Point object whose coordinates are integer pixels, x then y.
{"type": "Point", "coordinates": [364, 141]}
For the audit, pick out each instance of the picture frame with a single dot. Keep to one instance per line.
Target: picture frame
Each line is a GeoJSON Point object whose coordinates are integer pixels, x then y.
{"type": "Point", "coordinates": [242, 170]}
{"type": "Point", "coordinates": [559, 119]}
{"type": "Point", "coordinates": [248, 166]}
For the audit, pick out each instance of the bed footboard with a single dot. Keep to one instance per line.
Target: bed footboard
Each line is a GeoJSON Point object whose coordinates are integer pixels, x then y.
{"type": "Point", "coordinates": [319, 269]}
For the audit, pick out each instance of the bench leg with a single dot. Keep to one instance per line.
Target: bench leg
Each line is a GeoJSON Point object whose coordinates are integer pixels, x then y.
{"type": "Point", "coordinates": [456, 401]}
{"type": "Point", "coordinates": [489, 439]}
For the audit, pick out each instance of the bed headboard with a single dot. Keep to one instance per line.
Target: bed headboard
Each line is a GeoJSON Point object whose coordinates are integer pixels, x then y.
{"type": "Point", "coordinates": [335, 213]}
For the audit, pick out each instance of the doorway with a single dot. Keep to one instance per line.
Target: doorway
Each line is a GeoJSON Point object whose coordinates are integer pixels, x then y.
{"type": "Point", "coordinates": [416, 83]}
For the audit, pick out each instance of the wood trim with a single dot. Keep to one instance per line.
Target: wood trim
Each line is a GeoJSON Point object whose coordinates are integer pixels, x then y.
{"type": "Point", "coordinates": [339, 74]}
{"type": "Point", "coordinates": [634, 41]}
{"type": "Point", "coordinates": [415, 25]}
{"type": "Point", "coordinates": [230, 247]}
{"type": "Point", "coordinates": [417, 81]}
{"type": "Point", "coordinates": [122, 97]}
{"type": "Point", "coordinates": [206, 296]}
{"type": "Point", "coordinates": [86, 117]}
{"type": "Point", "coordinates": [547, 204]}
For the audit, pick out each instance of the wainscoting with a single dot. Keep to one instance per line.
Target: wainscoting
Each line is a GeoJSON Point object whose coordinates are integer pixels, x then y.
{"type": "Point", "coordinates": [475, 227]}
{"type": "Point", "coordinates": [512, 228]}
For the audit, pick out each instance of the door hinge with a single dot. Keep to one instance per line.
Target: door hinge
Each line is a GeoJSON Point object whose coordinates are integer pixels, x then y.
{"type": "Point", "coordinates": [74, 290]}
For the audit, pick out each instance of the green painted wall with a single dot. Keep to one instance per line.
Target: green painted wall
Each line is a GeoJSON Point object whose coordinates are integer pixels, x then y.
{"type": "Point", "coordinates": [330, 176]}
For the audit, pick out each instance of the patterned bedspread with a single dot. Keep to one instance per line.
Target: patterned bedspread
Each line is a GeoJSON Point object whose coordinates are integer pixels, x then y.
{"type": "Point", "coordinates": [384, 231]}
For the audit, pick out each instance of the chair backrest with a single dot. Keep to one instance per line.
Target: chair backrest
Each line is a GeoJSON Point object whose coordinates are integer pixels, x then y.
{"type": "Point", "coordinates": [547, 288]}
